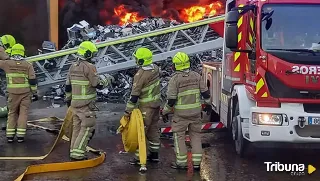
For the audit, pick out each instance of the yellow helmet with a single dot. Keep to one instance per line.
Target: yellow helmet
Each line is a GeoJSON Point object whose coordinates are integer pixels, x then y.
{"type": "Point", "coordinates": [87, 49]}
{"type": "Point", "coordinates": [7, 41]}
{"type": "Point", "coordinates": [8, 51]}
{"type": "Point", "coordinates": [17, 49]}
{"type": "Point", "coordinates": [143, 56]}
{"type": "Point", "coordinates": [181, 61]}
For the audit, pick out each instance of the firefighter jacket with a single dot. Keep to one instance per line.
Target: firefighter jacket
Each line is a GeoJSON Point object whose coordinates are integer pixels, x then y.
{"type": "Point", "coordinates": [3, 54]}
{"type": "Point", "coordinates": [184, 91]}
{"type": "Point", "coordinates": [81, 84]}
{"type": "Point", "coordinates": [20, 75]}
{"type": "Point", "coordinates": [146, 88]}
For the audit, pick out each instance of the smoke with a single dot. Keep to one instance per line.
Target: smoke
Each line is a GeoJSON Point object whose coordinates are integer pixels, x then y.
{"type": "Point", "coordinates": [102, 11]}
{"type": "Point", "coordinates": [27, 21]}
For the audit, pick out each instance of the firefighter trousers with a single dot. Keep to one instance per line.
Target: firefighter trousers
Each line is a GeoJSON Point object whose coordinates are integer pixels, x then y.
{"type": "Point", "coordinates": [151, 117]}
{"type": "Point", "coordinates": [84, 121]}
{"type": "Point", "coordinates": [18, 105]}
{"type": "Point", "coordinates": [179, 128]}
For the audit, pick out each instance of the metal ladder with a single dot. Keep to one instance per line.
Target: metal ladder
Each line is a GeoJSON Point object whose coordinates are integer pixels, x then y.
{"type": "Point", "coordinates": [116, 55]}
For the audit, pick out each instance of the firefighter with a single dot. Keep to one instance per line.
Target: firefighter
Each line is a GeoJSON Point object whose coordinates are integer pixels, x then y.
{"type": "Point", "coordinates": [145, 95]}
{"type": "Point", "coordinates": [82, 82]}
{"type": "Point", "coordinates": [21, 85]}
{"type": "Point", "coordinates": [6, 43]}
{"type": "Point", "coordinates": [183, 100]}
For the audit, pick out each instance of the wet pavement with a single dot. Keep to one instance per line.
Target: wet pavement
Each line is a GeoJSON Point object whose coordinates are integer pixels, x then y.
{"type": "Point", "coordinates": [220, 163]}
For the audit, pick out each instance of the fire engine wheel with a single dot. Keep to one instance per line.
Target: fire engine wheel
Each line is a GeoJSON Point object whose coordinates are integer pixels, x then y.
{"type": "Point", "coordinates": [239, 141]}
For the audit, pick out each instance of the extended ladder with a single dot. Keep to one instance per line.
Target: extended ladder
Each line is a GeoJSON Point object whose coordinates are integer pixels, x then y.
{"type": "Point", "coordinates": [116, 55]}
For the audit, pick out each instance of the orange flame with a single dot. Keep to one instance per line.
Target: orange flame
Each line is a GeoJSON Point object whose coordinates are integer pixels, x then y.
{"type": "Point", "coordinates": [125, 16]}
{"type": "Point", "coordinates": [196, 13]}
{"type": "Point", "coordinates": [191, 14]}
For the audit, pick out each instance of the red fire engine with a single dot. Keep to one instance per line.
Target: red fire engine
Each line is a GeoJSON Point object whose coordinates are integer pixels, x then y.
{"type": "Point", "coordinates": [267, 87]}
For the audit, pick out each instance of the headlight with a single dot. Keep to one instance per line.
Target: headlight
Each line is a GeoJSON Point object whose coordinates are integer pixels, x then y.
{"type": "Point", "coordinates": [267, 119]}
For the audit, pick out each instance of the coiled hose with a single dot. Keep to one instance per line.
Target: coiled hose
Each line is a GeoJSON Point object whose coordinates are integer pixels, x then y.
{"type": "Point", "coordinates": [133, 136]}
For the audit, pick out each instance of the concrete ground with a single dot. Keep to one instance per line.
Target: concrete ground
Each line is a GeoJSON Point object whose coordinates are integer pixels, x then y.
{"type": "Point", "coordinates": [220, 163]}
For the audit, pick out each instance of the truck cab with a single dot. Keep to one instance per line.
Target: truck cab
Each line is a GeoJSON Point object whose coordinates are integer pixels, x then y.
{"type": "Point", "coordinates": [269, 87]}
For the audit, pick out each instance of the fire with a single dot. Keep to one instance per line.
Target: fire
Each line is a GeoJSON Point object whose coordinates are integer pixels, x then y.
{"type": "Point", "coordinates": [190, 14]}
{"type": "Point", "coordinates": [196, 13]}
{"type": "Point", "coordinates": [126, 16]}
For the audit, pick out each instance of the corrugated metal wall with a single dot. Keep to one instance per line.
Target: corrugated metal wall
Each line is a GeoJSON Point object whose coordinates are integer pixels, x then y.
{"type": "Point", "coordinates": [27, 20]}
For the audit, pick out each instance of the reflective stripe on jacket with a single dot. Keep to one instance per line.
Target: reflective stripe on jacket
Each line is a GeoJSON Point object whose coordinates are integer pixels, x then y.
{"type": "Point", "coordinates": [146, 86]}
{"type": "Point", "coordinates": [19, 74]}
{"type": "Point", "coordinates": [150, 93]}
{"type": "Point", "coordinates": [83, 79]}
{"type": "Point", "coordinates": [188, 95]}
{"type": "Point", "coordinates": [17, 84]}
{"type": "Point", "coordinates": [84, 85]}
{"type": "Point", "coordinates": [185, 87]}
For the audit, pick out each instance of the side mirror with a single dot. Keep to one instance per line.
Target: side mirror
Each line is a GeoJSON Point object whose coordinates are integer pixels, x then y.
{"type": "Point", "coordinates": [231, 36]}
{"type": "Point", "coordinates": [233, 17]}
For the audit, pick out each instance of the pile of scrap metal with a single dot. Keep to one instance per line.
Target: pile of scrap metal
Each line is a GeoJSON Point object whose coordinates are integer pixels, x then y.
{"type": "Point", "coordinates": [83, 31]}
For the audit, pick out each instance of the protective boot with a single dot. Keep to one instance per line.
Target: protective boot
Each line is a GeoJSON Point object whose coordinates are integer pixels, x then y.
{"type": "Point", "coordinates": [196, 167]}
{"type": "Point", "coordinates": [74, 159]}
{"type": "Point", "coordinates": [10, 139]}
{"type": "Point", "coordinates": [153, 157]}
{"type": "Point", "coordinates": [20, 139]}
{"type": "Point", "coordinates": [174, 165]}
{"type": "Point", "coordinates": [134, 161]}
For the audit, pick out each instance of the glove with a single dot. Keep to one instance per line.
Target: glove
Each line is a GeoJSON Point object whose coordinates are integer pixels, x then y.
{"type": "Point", "coordinates": [127, 114]}
{"type": "Point", "coordinates": [68, 102]}
{"type": "Point", "coordinates": [165, 118]}
{"type": "Point", "coordinates": [207, 109]}
{"type": "Point", "coordinates": [35, 97]}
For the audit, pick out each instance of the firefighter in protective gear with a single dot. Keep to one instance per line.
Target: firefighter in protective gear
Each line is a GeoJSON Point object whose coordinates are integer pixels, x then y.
{"type": "Point", "coordinates": [183, 100]}
{"type": "Point", "coordinates": [6, 43]}
{"type": "Point", "coordinates": [21, 85]}
{"type": "Point", "coordinates": [81, 84]}
{"type": "Point", "coordinates": [145, 95]}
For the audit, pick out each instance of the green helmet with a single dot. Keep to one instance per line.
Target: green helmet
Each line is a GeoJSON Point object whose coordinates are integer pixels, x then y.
{"type": "Point", "coordinates": [181, 61]}
{"type": "Point", "coordinates": [7, 41]}
{"type": "Point", "coordinates": [87, 49]}
{"type": "Point", "coordinates": [143, 56]}
{"type": "Point", "coordinates": [17, 49]}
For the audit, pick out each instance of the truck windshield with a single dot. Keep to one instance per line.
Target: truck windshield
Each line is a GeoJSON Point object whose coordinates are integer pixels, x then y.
{"type": "Point", "coordinates": [289, 29]}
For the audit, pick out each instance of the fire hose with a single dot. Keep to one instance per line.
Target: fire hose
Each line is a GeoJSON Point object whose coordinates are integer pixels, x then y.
{"type": "Point", "coordinates": [133, 136]}
{"type": "Point", "coordinates": [63, 134]}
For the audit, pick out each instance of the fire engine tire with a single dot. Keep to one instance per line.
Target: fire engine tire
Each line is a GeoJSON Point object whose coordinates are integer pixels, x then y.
{"type": "Point", "coordinates": [240, 143]}
{"type": "Point", "coordinates": [59, 166]}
